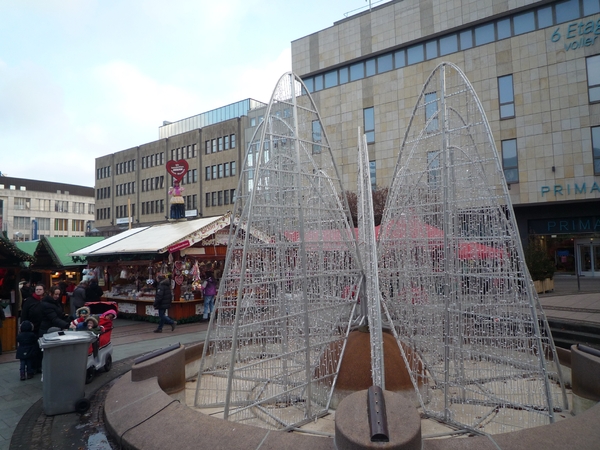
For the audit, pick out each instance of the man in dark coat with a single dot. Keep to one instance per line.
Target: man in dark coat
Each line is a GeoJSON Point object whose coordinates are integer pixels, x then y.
{"type": "Point", "coordinates": [52, 313]}
{"type": "Point", "coordinates": [93, 292]}
{"type": "Point", "coordinates": [162, 302]}
{"type": "Point", "coordinates": [78, 298]}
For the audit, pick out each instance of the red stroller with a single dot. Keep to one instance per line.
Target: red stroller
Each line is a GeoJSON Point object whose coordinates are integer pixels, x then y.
{"type": "Point", "coordinates": [100, 352]}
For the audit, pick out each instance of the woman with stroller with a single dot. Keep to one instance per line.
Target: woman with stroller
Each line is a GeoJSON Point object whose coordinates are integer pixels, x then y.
{"type": "Point", "coordinates": [52, 313]}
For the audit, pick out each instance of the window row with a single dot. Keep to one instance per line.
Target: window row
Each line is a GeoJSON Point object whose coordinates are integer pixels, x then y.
{"type": "Point", "coordinates": [153, 207]}
{"type": "Point", "coordinates": [123, 211]}
{"type": "Point", "coordinates": [103, 193]}
{"type": "Point", "coordinates": [538, 18]}
{"type": "Point", "coordinates": [125, 188]}
{"type": "Point", "coordinates": [219, 198]}
{"type": "Point", "coordinates": [220, 171]}
{"type": "Point", "coordinates": [219, 144]}
{"type": "Point", "coordinates": [191, 202]}
{"type": "Point", "coordinates": [103, 213]}
{"type": "Point", "coordinates": [125, 167]}
{"type": "Point", "coordinates": [191, 176]}
{"type": "Point", "coordinates": [150, 184]}
{"type": "Point", "coordinates": [157, 159]}
{"type": "Point", "coordinates": [185, 152]}
{"type": "Point", "coordinates": [43, 224]}
{"type": "Point", "coordinates": [103, 172]}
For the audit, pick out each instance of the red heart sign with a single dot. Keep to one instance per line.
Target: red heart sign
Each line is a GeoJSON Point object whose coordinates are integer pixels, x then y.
{"type": "Point", "coordinates": [179, 280]}
{"type": "Point", "coordinates": [177, 169]}
{"type": "Point", "coordinates": [178, 265]}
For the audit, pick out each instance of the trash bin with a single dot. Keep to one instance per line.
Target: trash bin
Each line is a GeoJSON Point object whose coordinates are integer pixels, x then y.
{"type": "Point", "coordinates": [64, 369]}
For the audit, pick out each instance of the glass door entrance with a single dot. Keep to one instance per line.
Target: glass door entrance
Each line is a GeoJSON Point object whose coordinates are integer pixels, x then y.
{"type": "Point", "coordinates": [588, 256]}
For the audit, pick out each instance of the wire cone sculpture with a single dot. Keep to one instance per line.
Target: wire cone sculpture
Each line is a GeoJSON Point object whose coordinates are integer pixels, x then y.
{"type": "Point", "coordinates": [455, 287]}
{"type": "Point", "coordinates": [285, 300]}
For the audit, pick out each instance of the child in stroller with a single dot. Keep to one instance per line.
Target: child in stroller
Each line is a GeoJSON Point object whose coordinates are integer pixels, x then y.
{"type": "Point", "coordinates": [100, 351]}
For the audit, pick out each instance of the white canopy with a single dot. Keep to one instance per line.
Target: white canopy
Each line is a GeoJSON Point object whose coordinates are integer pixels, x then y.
{"type": "Point", "coordinates": [157, 238]}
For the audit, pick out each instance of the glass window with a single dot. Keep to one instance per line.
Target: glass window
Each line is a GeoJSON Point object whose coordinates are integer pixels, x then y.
{"type": "Point", "coordinates": [506, 97]}
{"type": "Point", "coordinates": [220, 170]}
{"type": "Point", "coordinates": [545, 18]}
{"type": "Point", "coordinates": [503, 27]}
{"type": "Point", "coordinates": [226, 197]}
{"type": "Point", "coordinates": [431, 109]}
{"type": "Point", "coordinates": [373, 173]}
{"type": "Point", "coordinates": [510, 161]}
{"type": "Point", "coordinates": [220, 141]}
{"type": "Point", "coordinates": [316, 136]}
{"type": "Point", "coordinates": [567, 11]}
{"type": "Point", "coordinates": [370, 67]}
{"type": "Point", "coordinates": [593, 77]}
{"type": "Point", "coordinates": [207, 199]}
{"type": "Point", "coordinates": [591, 7]}
{"type": "Point", "coordinates": [343, 73]}
{"type": "Point", "coordinates": [466, 39]}
{"type": "Point", "coordinates": [214, 146]}
{"type": "Point", "coordinates": [596, 149]}
{"type": "Point", "coordinates": [318, 83]}
{"type": "Point", "coordinates": [448, 44]}
{"type": "Point", "coordinates": [220, 198]}
{"type": "Point", "coordinates": [524, 23]}
{"type": "Point", "coordinates": [357, 71]}
{"type": "Point", "coordinates": [331, 79]}
{"type": "Point", "coordinates": [232, 164]}
{"type": "Point", "coordinates": [214, 198]}
{"type": "Point", "coordinates": [369, 124]}
{"type": "Point", "coordinates": [484, 34]}
{"type": "Point", "coordinates": [414, 54]}
{"type": "Point", "coordinates": [232, 140]}
{"type": "Point", "coordinates": [431, 50]}
{"type": "Point", "coordinates": [385, 63]}
{"type": "Point", "coordinates": [310, 84]}
{"type": "Point", "coordinates": [232, 195]}
{"type": "Point", "coordinates": [214, 172]}
{"type": "Point", "coordinates": [399, 59]}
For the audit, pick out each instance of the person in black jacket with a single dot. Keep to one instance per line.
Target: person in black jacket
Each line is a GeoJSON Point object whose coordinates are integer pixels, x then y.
{"type": "Point", "coordinates": [52, 313]}
{"type": "Point", "coordinates": [27, 349]}
{"type": "Point", "coordinates": [162, 302]}
{"type": "Point", "coordinates": [32, 311]}
{"type": "Point", "coordinates": [93, 292]}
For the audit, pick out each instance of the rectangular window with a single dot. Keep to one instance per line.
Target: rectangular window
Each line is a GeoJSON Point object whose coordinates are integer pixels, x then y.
{"type": "Point", "coordinates": [213, 198]}
{"type": "Point", "coordinates": [414, 54]}
{"type": "Point", "coordinates": [331, 79]}
{"type": "Point", "coordinates": [61, 224]}
{"type": "Point", "coordinates": [22, 223]}
{"type": "Point", "coordinates": [61, 206]}
{"type": "Point", "coordinates": [77, 225]}
{"type": "Point", "coordinates": [399, 59]}
{"type": "Point", "coordinates": [206, 147]}
{"type": "Point", "coordinates": [591, 7]}
{"type": "Point", "coordinates": [207, 199]}
{"type": "Point", "coordinates": [21, 203]}
{"type": "Point", "coordinates": [232, 164]}
{"type": "Point", "coordinates": [220, 170]}
{"type": "Point", "coordinates": [318, 84]}
{"type": "Point", "coordinates": [357, 71]}
{"type": "Point", "coordinates": [385, 63]}
{"type": "Point", "coordinates": [232, 140]}
{"type": "Point", "coordinates": [510, 161]}
{"type": "Point", "coordinates": [544, 16]}
{"type": "Point", "coordinates": [344, 76]}
{"type": "Point", "coordinates": [431, 50]}
{"type": "Point", "coordinates": [214, 172]}
{"type": "Point", "coordinates": [207, 173]}
{"type": "Point", "coordinates": [370, 68]}
{"type": "Point", "coordinates": [369, 124]}
{"type": "Point", "coordinates": [232, 195]}
{"type": "Point", "coordinates": [43, 223]}
{"type": "Point", "coordinates": [220, 198]}
{"type": "Point", "coordinates": [226, 167]}
{"type": "Point", "coordinates": [431, 109]}
{"type": "Point", "coordinates": [593, 77]}
{"type": "Point", "coordinates": [567, 11]}
{"type": "Point", "coordinates": [524, 23]}
{"type": "Point", "coordinates": [506, 97]}
{"type": "Point", "coordinates": [220, 144]}
{"type": "Point", "coordinates": [214, 146]}
{"type": "Point", "coordinates": [503, 28]}
{"type": "Point", "coordinates": [596, 149]}
{"type": "Point", "coordinates": [484, 34]}
{"type": "Point", "coordinates": [448, 44]}
{"type": "Point", "coordinates": [226, 197]}
{"type": "Point", "coordinates": [226, 142]}
{"type": "Point", "coordinates": [373, 173]}
{"type": "Point", "coordinates": [316, 137]}
{"type": "Point", "coordinates": [466, 39]}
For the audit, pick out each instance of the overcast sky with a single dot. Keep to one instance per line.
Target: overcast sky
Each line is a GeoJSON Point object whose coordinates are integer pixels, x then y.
{"type": "Point", "coordinates": [85, 78]}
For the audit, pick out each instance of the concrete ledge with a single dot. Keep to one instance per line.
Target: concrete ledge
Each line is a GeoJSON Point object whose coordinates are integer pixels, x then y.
{"type": "Point", "coordinates": [140, 415]}
{"type": "Point", "coordinates": [585, 374]}
{"type": "Point", "coordinates": [168, 368]}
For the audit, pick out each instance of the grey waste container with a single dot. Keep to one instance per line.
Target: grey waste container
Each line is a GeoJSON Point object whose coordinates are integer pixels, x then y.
{"type": "Point", "coordinates": [64, 368]}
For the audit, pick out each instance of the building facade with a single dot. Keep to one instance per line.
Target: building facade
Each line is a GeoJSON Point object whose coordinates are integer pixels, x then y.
{"type": "Point", "coordinates": [132, 186]}
{"type": "Point", "coordinates": [30, 209]}
{"type": "Point", "coordinates": [535, 66]}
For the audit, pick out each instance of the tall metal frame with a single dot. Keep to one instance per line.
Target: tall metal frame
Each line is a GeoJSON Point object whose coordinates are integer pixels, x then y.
{"type": "Point", "coordinates": [455, 287]}
{"type": "Point", "coordinates": [286, 298]}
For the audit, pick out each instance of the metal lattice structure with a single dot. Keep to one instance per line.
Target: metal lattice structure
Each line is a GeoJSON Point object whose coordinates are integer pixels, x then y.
{"type": "Point", "coordinates": [286, 297]}
{"type": "Point", "coordinates": [455, 285]}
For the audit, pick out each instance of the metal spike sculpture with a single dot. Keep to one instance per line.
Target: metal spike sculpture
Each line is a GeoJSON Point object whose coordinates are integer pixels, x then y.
{"type": "Point", "coordinates": [286, 297]}
{"type": "Point", "coordinates": [452, 273]}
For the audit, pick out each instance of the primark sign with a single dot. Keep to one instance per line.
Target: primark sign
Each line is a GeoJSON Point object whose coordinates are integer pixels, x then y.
{"type": "Point", "coordinates": [577, 34]}
{"type": "Point", "coordinates": [567, 225]}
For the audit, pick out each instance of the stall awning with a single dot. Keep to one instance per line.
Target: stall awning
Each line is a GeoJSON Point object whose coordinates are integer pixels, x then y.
{"type": "Point", "coordinates": [55, 252]}
{"type": "Point", "coordinates": [157, 238]}
{"type": "Point", "coordinates": [11, 255]}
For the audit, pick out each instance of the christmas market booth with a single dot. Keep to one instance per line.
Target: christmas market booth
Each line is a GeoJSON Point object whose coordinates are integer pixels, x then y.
{"type": "Point", "coordinates": [127, 265]}
{"type": "Point", "coordinates": [12, 261]}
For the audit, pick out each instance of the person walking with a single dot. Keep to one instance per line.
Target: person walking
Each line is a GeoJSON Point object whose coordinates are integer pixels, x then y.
{"type": "Point", "coordinates": [162, 302]}
{"type": "Point", "coordinates": [209, 290]}
{"type": "Point", "coordinates": [27, 347]}
{"type": "Point", "coordinates": [78, 298]}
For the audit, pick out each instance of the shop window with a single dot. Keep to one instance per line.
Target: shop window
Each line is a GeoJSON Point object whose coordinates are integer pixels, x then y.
{"type": "Point", "coordinates": [506, 97]}
{"type": "Point", "coordinates": [510, 161]}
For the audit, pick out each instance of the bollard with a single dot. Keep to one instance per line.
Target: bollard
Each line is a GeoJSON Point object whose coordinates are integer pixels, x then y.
{"type": "Point", "coordinates": [377, 415]}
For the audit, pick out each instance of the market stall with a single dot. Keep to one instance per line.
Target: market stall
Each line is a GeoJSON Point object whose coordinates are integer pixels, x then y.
{"type": "Point", "coordinates": [126, 265]}
{"type": "Point", "coordinates": [11, 263]}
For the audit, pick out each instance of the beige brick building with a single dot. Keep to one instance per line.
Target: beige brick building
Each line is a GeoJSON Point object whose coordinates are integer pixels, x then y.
{"type": "Point", "coordinates": [535, 66]}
